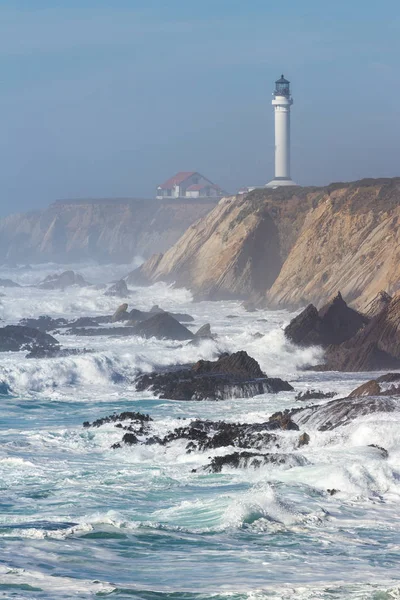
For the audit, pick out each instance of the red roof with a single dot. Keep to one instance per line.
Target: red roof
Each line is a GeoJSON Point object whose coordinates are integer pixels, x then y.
{"type": "Point", "coordinates": [199, 187]}
{"type": "Point", "coordinates": [176, 180]}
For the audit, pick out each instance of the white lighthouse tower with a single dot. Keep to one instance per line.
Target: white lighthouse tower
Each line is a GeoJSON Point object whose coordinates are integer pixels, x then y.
{"type": "Point", "coordinates": [282, 101]}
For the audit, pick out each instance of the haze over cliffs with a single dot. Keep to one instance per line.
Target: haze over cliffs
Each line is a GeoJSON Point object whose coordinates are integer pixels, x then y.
{"type": "Point", "coordinates": [109, 230]}
{"type": "Point", "coordinates": [293, 246]}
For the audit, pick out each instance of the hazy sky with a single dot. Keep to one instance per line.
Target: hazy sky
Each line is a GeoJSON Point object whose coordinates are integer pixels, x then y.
{"type": "Point", "coordinates": [109, 98]}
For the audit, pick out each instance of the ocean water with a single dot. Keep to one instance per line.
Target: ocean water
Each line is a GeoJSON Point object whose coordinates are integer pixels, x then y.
{"type": "Point", "coordinates": [80, 520]}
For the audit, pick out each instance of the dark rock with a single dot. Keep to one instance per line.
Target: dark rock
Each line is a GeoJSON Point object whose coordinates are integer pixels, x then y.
{"type": "Point", "coordinates": [304, 439]}
{"type": "Point", "coordinates": [118, 290]}
{"type": "Point", "coordinates": [282, 420]}
{"type": "Point", "coordinates": [244, 460]}
{"type": "Point", "coordinates": [102, 331]}
{"type": "Point", "coordinates": [370, 388]}
{"type": "Point", "coordinates": [236, 364]}
{"type": "Point", "coordinates": [44, 323]}
{"type": "Point", "coordinates": [181, 317]}
{"type": "Point", "coordinates": [8, 283]}
{"type": "Point", "coordinates": [333, 324]}
{"type": "Point", "coordinates": [89, 321]}
{"type": "Point", "coordinates": [204, 332]}
{"type": "Point", "coordinates": [130, 439]}
{"type": "Point", "coordinates": [121, 314]}
{"type": "Point", "coordinates": [136, 417]}
{"type": "Point", "coordinates": [314, 395]}
{"type": "Point", "coordinates": [343, 411]}
{"type": "Point", "coordinates": [14, 338]}
{"type": "Point", "coordinates": [164, 326]}
{"type": "Point", "coordinates": [374, 347]}
{"type": "Point", "coordinates": [62, 281]}
{"type": "Point", "coordinates": [332, 491]}
{"type": "Point", "coordinates": [236, 375]}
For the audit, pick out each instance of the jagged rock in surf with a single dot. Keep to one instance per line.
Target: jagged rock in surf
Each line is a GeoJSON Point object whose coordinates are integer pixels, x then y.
{"type": "Point", "coordinates": [382, 386]}
{"type": "Point", "coordinates": [375, 347]}
{"type": "Point", "coordinates": [204, 333]}
{"type": "Point", "coordinates": [343, 411]}
{"type": "Point", "coordinates": [200, 435]}
{"type": "Point", "coordinates": [8, 283]}
{"type": "Point", "coordinates": [376, 305]}
{"type": "Point", "coordinates": [162, 326]}
{"type": "Point", "coordinates": [314, 395]}
{"type": "Point", "coordinates": [333, 324]}
{"type": "Point", "coordinates": [118, 290]}
{"type": "Point", "coordinates": [63, 281]}
{"type": "Point", "coordinates": [181, 317]}
{"type": "Point", "coordinates": [304, 439]}
{"type": "Point", "coordinates": [14, 338]}
{"type": "Point", "coordinates": [44, 323]}
{"type": "Point", "coordinates": [231, 376]}
{"type": "Point", "coordinates": [121, 314]}
{"type": "Point", "coordinates": [245, 460]}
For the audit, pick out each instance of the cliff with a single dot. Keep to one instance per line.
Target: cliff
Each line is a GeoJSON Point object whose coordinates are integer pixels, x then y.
{"type": "Point", "coordinates": [295, 245]}
{"type": "Point", "coordinates": [111, 230]}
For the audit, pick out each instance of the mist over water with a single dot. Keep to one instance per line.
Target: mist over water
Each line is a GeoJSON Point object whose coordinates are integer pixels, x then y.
{"type": "Point", "coordinates": [80, 520]}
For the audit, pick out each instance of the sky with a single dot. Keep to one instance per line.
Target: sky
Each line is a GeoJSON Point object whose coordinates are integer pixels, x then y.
{"type": "Point", "coordinates": [110, 98]}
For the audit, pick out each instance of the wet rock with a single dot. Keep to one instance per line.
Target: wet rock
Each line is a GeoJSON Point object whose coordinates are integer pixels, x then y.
{"type": "Point", "coordinates": [62, 281]}
{"type": "Point", "coordinates": [236, 375]}
{"type": "Point", "coordinates": [14, 338]}
{"type": "Point", "coordinates": [331, 325]}
{"type": "Point", "coordinates": [238, 363]}
{"type": "Point", "coordinates": [245, 460]}
{"type": "Point", "coordinates": [121, 314]}
{"type": "Point", "coordinates": [304, 439]}
{"type": "Point", "coordinates": [343, 411]}
{"type": "Point", "coordinates": [163, 326]}
{"type": "Point", "coordinates": [8, 283]}
{"type": "Point", "coordinates": [370, 388]}
{"type": "Point", "coordinates": [181, 317]}
{"type": "Point", "coordinates": [116, 418]}
{"type": "Point", "coordinates": [204, 332]}
{"type": "Point", "coordinates": [44, 323]}
{"type": "Point", "coordinates": [283, 420]}
{"type": "Point", "coordinates": [332, 491]}
{"type": "Point", "coordinates": [314, 395]}
{"type": "Point", "coordinates": [118, 290]}
{"type": "Point", "coordinates": [89, 321]}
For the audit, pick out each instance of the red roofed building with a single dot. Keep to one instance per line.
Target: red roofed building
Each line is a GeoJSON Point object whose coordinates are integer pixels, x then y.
{"type": "Point", "coordinates": [188, 184]}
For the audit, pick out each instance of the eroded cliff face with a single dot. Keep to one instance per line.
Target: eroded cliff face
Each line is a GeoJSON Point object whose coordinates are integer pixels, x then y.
{"type": "Point", "coordinates": [295, 245]}
{"type": "Point", "coordinates": [104, 230]}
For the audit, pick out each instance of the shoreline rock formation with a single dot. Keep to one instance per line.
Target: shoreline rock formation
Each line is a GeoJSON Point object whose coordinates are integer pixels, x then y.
{"type": "Point", "coordinates": [292, 246]}
{"type": "Point", "coordinates": [105, 230]}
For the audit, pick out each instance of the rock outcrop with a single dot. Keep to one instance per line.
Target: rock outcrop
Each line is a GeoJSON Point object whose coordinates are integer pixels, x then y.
{"type": "Point", "coordinates": [163, 326]}
{"type": "Point", "coordinates": [296, 245]}
{"type": "Point", "coordinates": [62, 281]}
{"type": "Point", "coordinates": [335, 323]}
{"type": "Point", "coordinates": [107, 230]}
{"type": "Point", "coordinates": [231, 376]}
{"type": "Point", "coordinates": [14, 338]}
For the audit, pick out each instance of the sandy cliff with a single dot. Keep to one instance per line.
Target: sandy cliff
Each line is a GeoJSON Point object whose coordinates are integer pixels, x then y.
{"type": "Point", "coordinates": [106, 230]}
{"type": "Point", "coordinates": [296, 245]}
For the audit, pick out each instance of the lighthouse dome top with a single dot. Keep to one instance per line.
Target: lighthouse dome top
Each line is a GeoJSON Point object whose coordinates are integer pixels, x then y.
{"type": "Point", "coordinates": [282, 87]}
{"type": "Point", "coordinates": [282, 80]}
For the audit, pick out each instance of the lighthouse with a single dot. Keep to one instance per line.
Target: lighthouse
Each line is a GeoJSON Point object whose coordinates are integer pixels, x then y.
{"type": "Point", "coordinates": [282, 101]}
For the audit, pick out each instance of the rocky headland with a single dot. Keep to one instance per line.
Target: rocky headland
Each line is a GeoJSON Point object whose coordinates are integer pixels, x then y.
{"type": "Point", "coordinates": [289, 247]}
{"type": "Point", "coordinates": [106, 230]}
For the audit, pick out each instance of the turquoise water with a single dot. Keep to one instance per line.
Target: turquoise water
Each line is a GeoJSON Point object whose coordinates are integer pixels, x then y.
{"type": "Point", "coordinates": [80, 520]}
